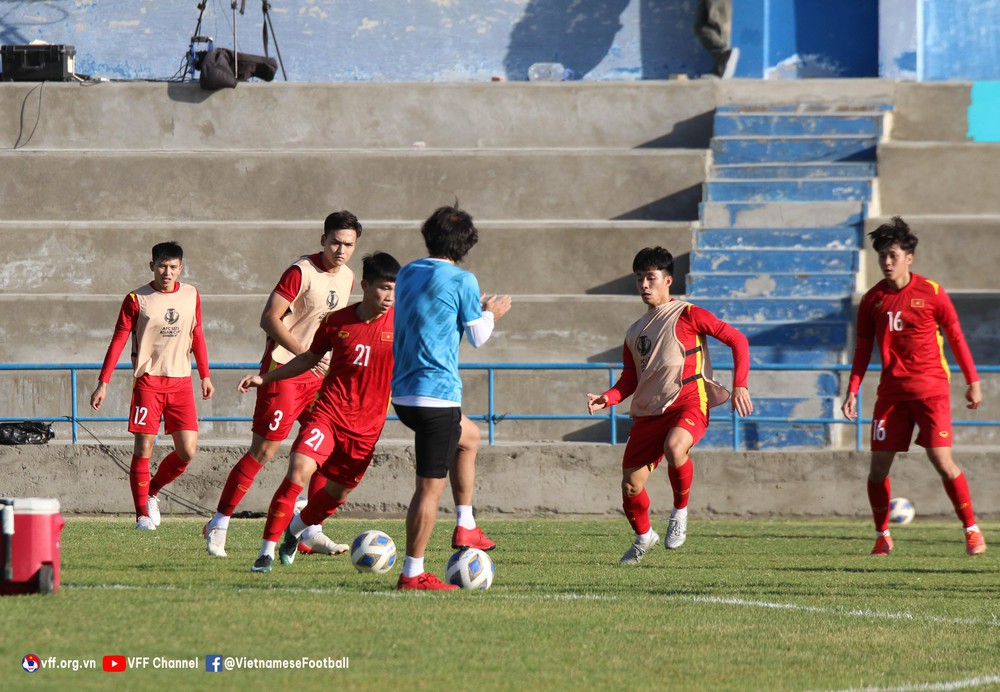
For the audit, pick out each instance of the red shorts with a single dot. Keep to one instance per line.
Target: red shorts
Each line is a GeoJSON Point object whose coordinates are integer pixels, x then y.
{"type": "Point", "coordinates": [169, 398]}
{"type": "Point", "coordinates": [342, 459]}
{"type": "Point", "coordinates": [893, 421]}
{"type": "Point", "coordinates": [648, 437]}
{"type": "Point", "coordinates": [280, 404]}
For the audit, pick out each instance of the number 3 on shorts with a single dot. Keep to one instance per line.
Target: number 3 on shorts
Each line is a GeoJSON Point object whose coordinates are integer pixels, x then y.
{"type": "Point", "coordinates": [276, 423]}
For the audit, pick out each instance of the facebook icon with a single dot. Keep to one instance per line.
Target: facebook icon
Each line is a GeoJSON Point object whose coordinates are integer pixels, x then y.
{"type": "Point", "coordinates": [213, 663]}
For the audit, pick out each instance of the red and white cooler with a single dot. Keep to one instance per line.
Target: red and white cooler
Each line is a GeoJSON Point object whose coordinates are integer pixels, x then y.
{"type": "Point", "coordinates": [29, 545]}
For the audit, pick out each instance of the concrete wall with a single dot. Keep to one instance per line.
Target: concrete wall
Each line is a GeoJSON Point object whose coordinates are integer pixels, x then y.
{"type": "Point", "coordinates": [377, 40]}
{"type": "Point", "coordinates": [525, 480]}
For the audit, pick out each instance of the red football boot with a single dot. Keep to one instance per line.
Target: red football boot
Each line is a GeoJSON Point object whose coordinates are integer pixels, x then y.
{"type": "Point", "coordinates": [471, 538]}
{"type": "Point", "coordinates": [425, 581]}
{"type": "Point", "coordinates": [975, 544]}
{"type": "Point", "coordinates": [883, 546]}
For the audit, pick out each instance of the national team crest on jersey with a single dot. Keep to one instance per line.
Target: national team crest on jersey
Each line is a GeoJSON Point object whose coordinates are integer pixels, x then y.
{"type": "Point", "coordinates": [332, 299]}
{"type": "Point", "coordinates": [171, 316]}
{"type": "Point", "coordinates": [386, 336]}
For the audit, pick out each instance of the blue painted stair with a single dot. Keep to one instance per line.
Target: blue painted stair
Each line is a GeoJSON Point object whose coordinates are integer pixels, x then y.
{"type": "Point", "coordinates": [777, 253]}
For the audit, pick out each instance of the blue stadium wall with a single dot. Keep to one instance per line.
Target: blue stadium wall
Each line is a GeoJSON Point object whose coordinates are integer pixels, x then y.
{"type": "Point", "coordinates": [475, 40]}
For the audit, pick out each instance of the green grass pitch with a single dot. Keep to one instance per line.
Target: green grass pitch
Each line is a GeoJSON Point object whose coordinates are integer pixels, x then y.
{"type": "Point", "coordinates": [744, 605]}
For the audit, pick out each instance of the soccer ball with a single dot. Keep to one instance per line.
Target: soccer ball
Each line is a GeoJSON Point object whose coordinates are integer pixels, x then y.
{"type": "Point", "coordinates": [471, 569]}
{"type": "Point", "coordinates": [901, 511]}
{"type": "Point", "coordinates": [373, 551]}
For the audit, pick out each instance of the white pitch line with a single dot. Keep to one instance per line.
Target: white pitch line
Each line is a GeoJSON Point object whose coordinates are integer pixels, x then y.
{"type": "Point", "coordinates": [716, 600]}
{"type": "Point", "coordinates": [952, 685]}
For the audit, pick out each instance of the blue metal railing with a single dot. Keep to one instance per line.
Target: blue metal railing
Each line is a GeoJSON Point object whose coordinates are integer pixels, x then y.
{"type": "Point", "coordinates": [491, 417]}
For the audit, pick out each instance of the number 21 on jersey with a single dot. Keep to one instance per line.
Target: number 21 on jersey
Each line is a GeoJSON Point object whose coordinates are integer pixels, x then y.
{"type": "Point", "coordinates": [362, 353]}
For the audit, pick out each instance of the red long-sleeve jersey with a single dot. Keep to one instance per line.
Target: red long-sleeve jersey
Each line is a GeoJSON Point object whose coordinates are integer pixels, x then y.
{"type": "Point", "coordinates": [908, 325]}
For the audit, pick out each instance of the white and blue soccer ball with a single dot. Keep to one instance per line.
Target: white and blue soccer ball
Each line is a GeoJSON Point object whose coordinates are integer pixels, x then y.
{"type": "Point", "coordinates": [373, 551]}
{"type": "Point", "coordinates": [901, 511]}
{"type": "Point", "coordinates": [471, 569]}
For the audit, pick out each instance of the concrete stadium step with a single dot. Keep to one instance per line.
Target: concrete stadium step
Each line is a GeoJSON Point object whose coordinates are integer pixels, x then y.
{"type": "Point", "coordinates": [46, 394]}
{"type": "Point", "coordinates": [781, 214]}
{"type": "Point", "coordinates": [804, 104]}
{"type": "Point", "coordinates": [808, 261]}
{"type": "Point", "coordinates": [836, 238]}
{"type": "Point", "coordinates": [77, 328]}
{"type": "Point", "coordinates": [827, 148]}
{"type": "Point", "coordinates": [296, 116]}
{"type": "Point", "coordinates": [744, 171]}
{"type": "Point", "coordinates": [752, 284]}
{"type": "Point", "coordinates": [828, 334]}
{"type": "Point", "coordinates": [660, 184]}
{"type": "Point", "coordinates": [777, 309]}
{"type": "Point", "coordinates": [790, 190]}
{"type": "Point", "coordinates": [754, 435]}
{"type": "Point", "coordinates": [938, 178]}
{"type": "Point", "coordinates": [764, 354]}
{"type": "Point", "coordinates": [526, 257]}
{"type": "Point", "coordinates": [784, 124]}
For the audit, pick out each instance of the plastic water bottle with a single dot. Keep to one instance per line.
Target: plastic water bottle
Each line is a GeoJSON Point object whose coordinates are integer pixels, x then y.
{"type": "Point", "coordinates": [546, 72]}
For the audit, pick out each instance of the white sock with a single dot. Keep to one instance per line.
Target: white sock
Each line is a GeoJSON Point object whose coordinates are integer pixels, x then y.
{"type": "Point", "coordinates": [645, 536]}
{"type": "Point", "coordinates": [297, 526]}
{"type": "Point", "coordinates": [219, 521]}
{"type": "Point", "coordinates": [463, 517]}
{"type": "Point", "coordinates": [679, 512]}
{"type": "Point", "coordinates": [309, 531]}
{"type": "Point", "coordinates": [970, 529]}
{"type": "Point", "coordinates": [267, 548]}
{"type": "Point", "coordinates": [412, 566]}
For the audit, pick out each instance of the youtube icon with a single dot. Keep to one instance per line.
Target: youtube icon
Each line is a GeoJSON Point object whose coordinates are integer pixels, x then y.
{"type": "Point", "coordinates": [114, 664]}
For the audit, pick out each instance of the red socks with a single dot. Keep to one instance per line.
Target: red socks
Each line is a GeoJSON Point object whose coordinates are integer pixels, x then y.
{"type": "Point", "coordinates": [316, 484]}
{"type": "Point", "coordinates": [958, 492]}
{"type": "Point", "coordinates": [636, 511]}
{"type": "Point", "coordinates": [321, 506]}
{"type": "Point", "coordinates": [282, 508]}
{"type": "Point", "coordinates": [169, 470]}
{"type": "Point", "coordinates": [138, 481]}
{"type": "Point", "coordinates": [238, 484]}
{"type": "Point", "coordinates": [878, 498]}
{"type": "Point", "coordinates": [680, 482]}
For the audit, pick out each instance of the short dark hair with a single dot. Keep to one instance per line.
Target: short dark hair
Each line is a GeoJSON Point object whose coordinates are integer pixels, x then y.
{"type": "Point", "coordinates": [168, 250]}
{"type": "Point", "coordinates": [449, 232]}
{"type": "Point", "coordinates": [341, 221]}
{"type": "Point", "coordinates": [653, 258]}
{"type": "Point", "coordinates": [379, 266]}
{"type": "Point", "coordinates": [896, 232]}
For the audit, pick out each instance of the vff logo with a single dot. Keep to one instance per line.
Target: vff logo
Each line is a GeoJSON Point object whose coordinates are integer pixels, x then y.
{"type": "Point", "coordinates": [31, 663]}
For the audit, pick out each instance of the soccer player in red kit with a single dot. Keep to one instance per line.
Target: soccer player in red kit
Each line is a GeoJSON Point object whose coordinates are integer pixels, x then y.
{"type": "Point", "coordinates": [668, 373]}
{"type": "Point", "coordinates": [339, 434]}
{"type": "Point", "coordinates": [163, 318]}
{"type": "Point", "coordinates": [907, 312]}
{"type": "Point", "coordinates": [309, 289]}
